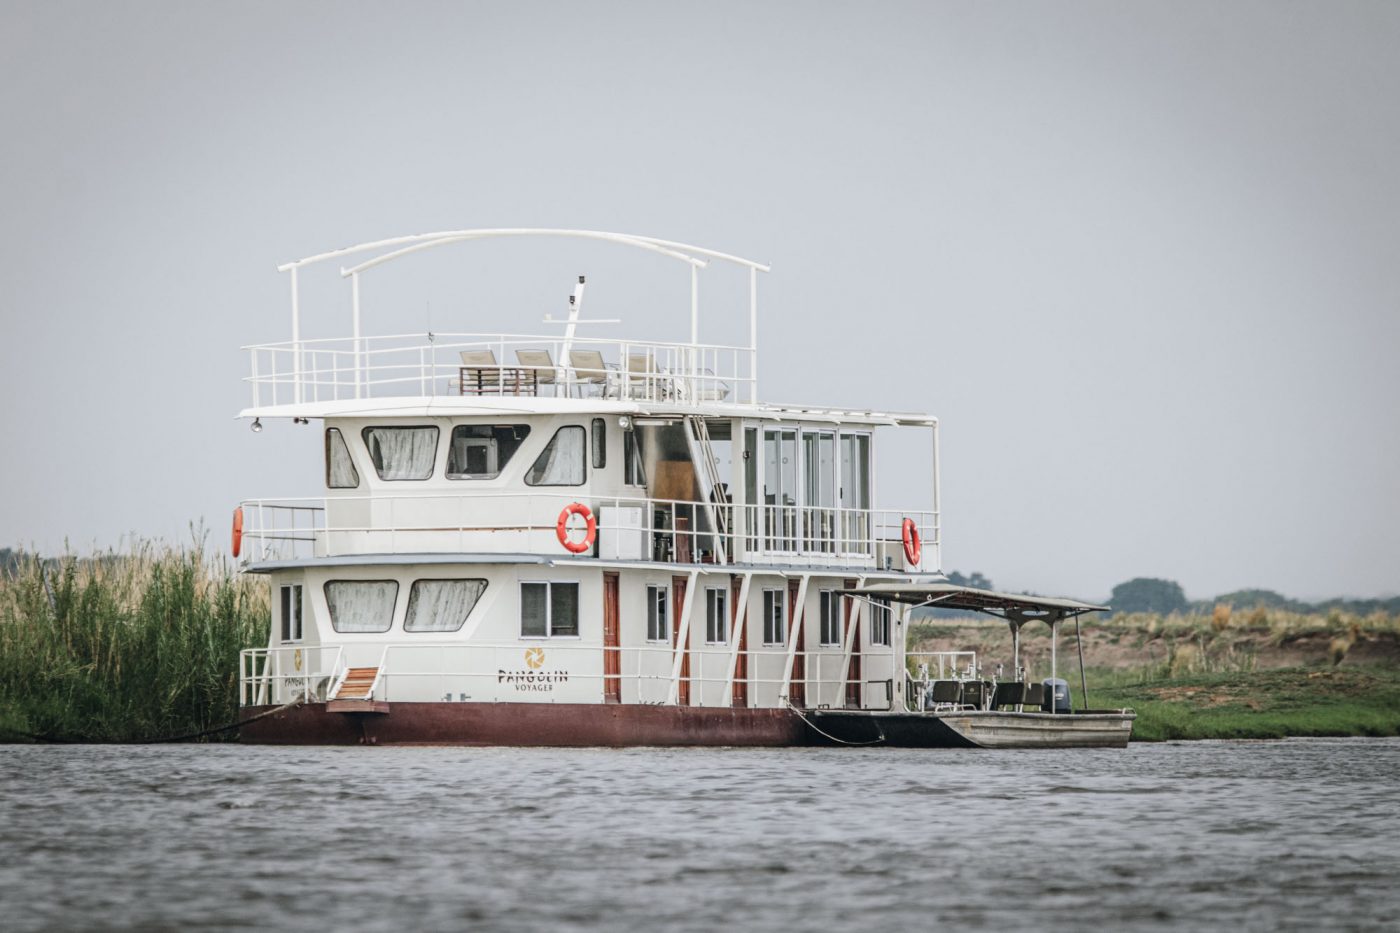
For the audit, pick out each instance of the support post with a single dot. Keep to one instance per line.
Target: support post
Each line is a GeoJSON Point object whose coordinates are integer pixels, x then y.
{"type": "Point", "coordinates": [1083, 678]}
{"type": "Point", "coordinates": [753, 336]}
{"type": "Point", "coordinates": [848, 639]}
{"type": "Point", "coordinates": [937, 507]}
{"type": "Point", "coordinates": [798, 619]}
{"type": "Point", "coordinates": [355, 329]}
{"type": "Point", "coordinates": [296, 339]}
{"type": "Point", "coordinates": [741, 618]}
{"type": "Point", "coordinates": [1054, 648]}
{"type": "Point", "coordinates": [682, 641]}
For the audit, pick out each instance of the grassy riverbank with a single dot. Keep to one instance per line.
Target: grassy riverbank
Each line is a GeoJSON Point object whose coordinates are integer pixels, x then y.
{"type": "Point", "coordinates": [123, 647]}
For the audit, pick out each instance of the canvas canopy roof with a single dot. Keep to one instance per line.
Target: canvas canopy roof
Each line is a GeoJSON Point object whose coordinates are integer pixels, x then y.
{"type": "Point", "coordinates": [952, 596]}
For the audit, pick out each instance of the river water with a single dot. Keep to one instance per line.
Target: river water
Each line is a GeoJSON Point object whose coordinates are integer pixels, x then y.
{"type": "Point", "coordinates": [1252, 835]}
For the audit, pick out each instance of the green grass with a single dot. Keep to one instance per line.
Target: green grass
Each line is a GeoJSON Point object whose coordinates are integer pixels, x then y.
{"type": "Point", "coordinates": [123, 647]}
{"type": "Point", "coordinates": [1256, 705]}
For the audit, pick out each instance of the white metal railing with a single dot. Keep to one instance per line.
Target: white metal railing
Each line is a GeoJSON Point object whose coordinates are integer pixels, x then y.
{"type": "Point", "coordinates": [310, 671]}
{"type": "Point", "coordinates": [433, 365]}
{"type": "Point", "coordinates": [627, 528]}
{"type": "Point", "coordinates": [489, 672]}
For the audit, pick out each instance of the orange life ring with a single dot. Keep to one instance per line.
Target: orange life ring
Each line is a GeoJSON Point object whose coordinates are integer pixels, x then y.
{"type": "Point", "coordinates": [237, 530]}
{"type": "Point", "coordinates": [913, 546]}
{"type": "Point", "coordinates": [562, 528]}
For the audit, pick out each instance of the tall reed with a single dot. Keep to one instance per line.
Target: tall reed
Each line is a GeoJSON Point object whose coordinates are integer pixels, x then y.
{"type": "Point", "coordinates": [124, 646]}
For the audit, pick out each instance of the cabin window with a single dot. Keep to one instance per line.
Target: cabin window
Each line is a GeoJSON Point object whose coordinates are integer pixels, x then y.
{"type": "Point", "coordinates": [716, 615]}
{"type": "Point", "coordinates": [340, 469]}
{"type": "Point", "coordinates": [656, 614]}
{"type": "Point", "coordinates": [600, 443]}
{"type": "Point", "coordinates": [481, 451]}
{"type": "Point", "coordinates": [402, 453]}
{"type": "Point", "coordinates": [361, 605]}
{"type": "Point", "coordinates": [880, 621]}
{"type": "Point", "coordinates": [774, 610]}
{"type": "Point", "coordinates": [291, 613]}
{"type": "Point", "coordinates": [632, 472]}
{"type": "Point", "coordinates": [548, 610]}
{"type": "Point", "coordinates": [819, 488]}
{"type": "Point", "coordinates": [830, 617]}
{"type": "Point", "coordinates": [561, 463]}
{"type": "Point", "coordinates": [780, 488]}
{"type": "Point", "coordinates": [855, 494]}
{"type": "Point", "coordinates": [441, 605]}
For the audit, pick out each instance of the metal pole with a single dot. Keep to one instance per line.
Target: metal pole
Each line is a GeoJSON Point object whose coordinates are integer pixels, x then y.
{"type": "Point", "coordinates": [1083, 680]}
{"type": "Point", "coordinates": [937, 509]}
{"type": "Point", "coordinates": [355, 326]}
{"type": "Point", "coordinates": [296, 338]}
{"type": "Point", "coordinates": [1054, 645]}
{"type": "Point", "coordinates": [753, 336]}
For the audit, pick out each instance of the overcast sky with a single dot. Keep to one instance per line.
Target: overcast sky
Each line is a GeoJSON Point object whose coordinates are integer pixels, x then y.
{"type": "Point", "coordinates": [1141, 260]}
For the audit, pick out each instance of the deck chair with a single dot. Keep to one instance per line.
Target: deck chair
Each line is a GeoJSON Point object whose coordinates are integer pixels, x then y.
{"type": "Point", "coordinates": [641, 373]}
{"type": "Point", "coordinates": [946, 694]}
{"type": "Point", "coordinates": [481, 373]}
{"type": "Point", "coordinates": [539, 363]}
{"type": "Point", "coordinates": [589, 368]}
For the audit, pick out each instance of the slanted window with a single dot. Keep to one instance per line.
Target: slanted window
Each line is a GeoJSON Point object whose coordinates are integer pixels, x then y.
{"type": "Point", "coordinates": [600, 443]}
{"type": "Point", "coordinates": [291, 613]}
{"type": "Point", "coordinates": [340, 469]}
{"type": "Point", "coordinates": [774, 610]}
{"type": "Point", "coordinates": [879, 621]}
{"type": "Point", "coordinates": [402, 453]}
{"type": "Point", "coordinates": [361, 605]}
{"type": "Point", "coordinates": [548, 610]}
{"type": "Point", "coordinates": [561, 463]}
{"type": "Point", "coordinates": [716, 615]}
{"type": "Point", "coordinates": [656, 614]}
{"type": "Point", "coordinates": [441, 605]}
{"type": "Point", "coordinates": [632, 472]}
{"type": "Point", "coordinates": [831, 617]}
{"type": "Point", "coordinates": [481, 451]}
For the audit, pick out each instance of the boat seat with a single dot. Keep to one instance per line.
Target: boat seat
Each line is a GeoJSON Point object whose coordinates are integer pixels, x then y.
{"type": "Point", "coordinates": [974, 694]}
{"type": "Point", "coordinates": [1035, 695]}
{"type": "Point", "coordinates": [946, 693]}
{"type": "Point", "coordinates": [1009, 694]}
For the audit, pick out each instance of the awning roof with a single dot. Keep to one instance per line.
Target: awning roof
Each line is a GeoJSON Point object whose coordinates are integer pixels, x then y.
{"type": "Point", "coordinates": [952, 596]}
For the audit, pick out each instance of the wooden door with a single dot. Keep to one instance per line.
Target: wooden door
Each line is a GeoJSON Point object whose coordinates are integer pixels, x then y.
{"type": "Point", "coordinates": [797, 690]}
{"type": "Point", "coordinates": [678, 585]}
{"type": "Point", "coordinates": [612, 641]}
{"type": "Point", "coordinates": [740, 630]}
{"type": "Point", "coordinates": [852, 632]}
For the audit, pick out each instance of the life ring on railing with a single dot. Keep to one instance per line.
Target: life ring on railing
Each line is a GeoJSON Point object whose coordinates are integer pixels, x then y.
{"type": "Point", "coordinates": [562, 528]}
{"type": "Point", "coordinates": [913, 546]}
{"type": "Point", "coordinates": [237, 530]}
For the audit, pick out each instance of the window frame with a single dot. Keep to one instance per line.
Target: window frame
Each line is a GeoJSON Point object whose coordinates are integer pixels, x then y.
{"type": "Point", "coordinates": [658, 610]}
{"type": "Point", "coordinates": [583, 461]}
{"type": "Point", "coordinates": [549, 634]}
{"type": "Point", "coordinates": [829, 611]}
{"type": "Point", "coordinates": [598, 441]}
{"type": "Point", "coordinates": [290, 594]}
{"type": "Point", "coordinates": [432, 469]}
{"type": "Point", "coordinates": [717, 625]}
{"type": "Point", "coordinates": [345, 446]}
{"type": "Point", "coordinates": [634, 472]}
{"type": "Point", "coordinates": [500, 465]}
{"type": "Point", "coordinates": [393, 605]}
{"type": "Point", "coordinates": [881, 622]}
{"type": "Point", "coordinates": [412, 588]}
{"type": "Point", "coordinates": [779, 604]}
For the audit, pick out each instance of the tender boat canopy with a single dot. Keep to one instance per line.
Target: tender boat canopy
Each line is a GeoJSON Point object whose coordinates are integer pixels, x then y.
{"type": "Point", "coordinates": [952, 596]}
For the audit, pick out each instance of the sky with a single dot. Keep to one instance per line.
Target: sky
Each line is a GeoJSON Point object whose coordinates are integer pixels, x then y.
{"type": "Point", "coordinates": [1139, 259]}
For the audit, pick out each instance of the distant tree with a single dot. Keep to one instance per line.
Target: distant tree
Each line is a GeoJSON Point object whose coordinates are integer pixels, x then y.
{"type": "Point", "coordinates": [1148, 594]}
{"type": "Point", "coordinates": [974, 579]}
{"type": "Point", "coordinates": [1248, 599]}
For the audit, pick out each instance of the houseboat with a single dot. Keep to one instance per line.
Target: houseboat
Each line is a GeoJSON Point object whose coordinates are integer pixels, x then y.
{"type": "Point", "coordinates": [563, 539]}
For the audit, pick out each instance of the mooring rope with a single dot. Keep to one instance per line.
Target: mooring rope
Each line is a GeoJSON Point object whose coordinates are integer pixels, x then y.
{"type": "Point", "coordinates": [57, 740]}
{"type": "Point", "coordinates": [820, 731]}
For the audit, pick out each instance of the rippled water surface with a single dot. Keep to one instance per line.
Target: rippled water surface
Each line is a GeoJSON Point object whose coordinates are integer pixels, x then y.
{"type": "Point", "coordinates": [1222, 835]}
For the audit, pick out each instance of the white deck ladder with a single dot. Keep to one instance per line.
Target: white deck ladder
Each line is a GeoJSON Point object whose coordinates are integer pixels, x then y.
{"type": "Point", "coordinates": [712, 491]}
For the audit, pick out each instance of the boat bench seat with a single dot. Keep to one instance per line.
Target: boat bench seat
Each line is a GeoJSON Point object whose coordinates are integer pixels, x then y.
{"type": "Point", "coordinates": [1010, 694]}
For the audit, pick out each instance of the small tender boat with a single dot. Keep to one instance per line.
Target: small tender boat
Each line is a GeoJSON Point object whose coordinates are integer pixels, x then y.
{"type": "Point", "coordinates": [557, 539]}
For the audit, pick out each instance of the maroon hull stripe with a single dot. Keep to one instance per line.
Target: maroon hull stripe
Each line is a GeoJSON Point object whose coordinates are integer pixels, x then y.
{"type": "Point", "coordinates": [548, 724]}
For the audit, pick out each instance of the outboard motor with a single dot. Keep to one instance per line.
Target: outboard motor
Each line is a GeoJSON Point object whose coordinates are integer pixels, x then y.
{"type": "Point", "coordinates": [1056, 696]}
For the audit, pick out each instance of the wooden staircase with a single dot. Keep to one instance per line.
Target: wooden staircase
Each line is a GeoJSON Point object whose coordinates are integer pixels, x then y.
{"type": "Point", "coordinates": [354, 693]}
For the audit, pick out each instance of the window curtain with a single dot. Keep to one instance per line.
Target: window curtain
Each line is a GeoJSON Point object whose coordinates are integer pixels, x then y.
{"type": "Point", "coordinates": [402, 453]}
{"type": "Point", "coordinates": [340, 470]}
{"type": "Point", "coordinates": [561, 463]}
{"type": "Point", "coordinates": [441, 605]}
{"type": "Point", "coordinates": [361, 605]}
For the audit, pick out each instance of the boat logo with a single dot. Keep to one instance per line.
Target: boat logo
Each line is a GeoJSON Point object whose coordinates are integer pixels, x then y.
{"type": "Point", "coordinates": [296, 658]}
{"type": "Point", "coordinates": [534, 658]}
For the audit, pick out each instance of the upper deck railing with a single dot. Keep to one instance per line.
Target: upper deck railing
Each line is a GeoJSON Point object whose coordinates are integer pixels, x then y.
{"type": "Point", "coordinates": [475, 365]}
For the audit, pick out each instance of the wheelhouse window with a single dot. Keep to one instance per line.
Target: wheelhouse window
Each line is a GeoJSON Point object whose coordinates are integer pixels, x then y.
{"type": "Point", "coordinates": [880, 621]}
{"type": "Point", "coordinates": [716, 615]}
{"type": "Point", "coordinates": [481, 451]}
{"type": "Point", "coordinates": [402, 453]}
{"type": "Point", "coordinates": [548, 609]}
{"type": "Point", "coordinates": [441, 605]}
{"type": "Point", "coordinates": [600, 443]}
{"type": "Point", "coordinates": [830, 617]}
{"type": "Point", "coordinates": [632, 472]}
{"type": "Point", "coordinates": [774, 610]}
{"type": "Point", "coordinates": [340, 469]}
{"type": "Point", "coordinates": [656, 614]}
{"type": "Point", "coordinates": [561, 463]}
{"type": "Point", "coordinates": [291, 613]}
{"type": "Point", "coordinates": [361, 605]}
